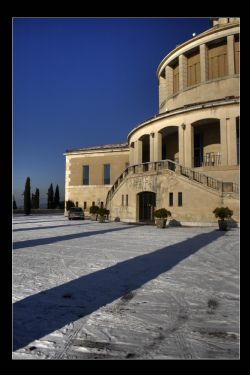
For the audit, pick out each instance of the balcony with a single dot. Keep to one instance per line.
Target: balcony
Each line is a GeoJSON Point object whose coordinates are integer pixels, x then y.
{"type": "Point", "coordinates": [210, 159]}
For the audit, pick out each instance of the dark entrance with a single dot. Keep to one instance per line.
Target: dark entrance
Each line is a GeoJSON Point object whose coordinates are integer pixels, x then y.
{"type": "Point", "coordinates": [145, 148]}
{"type": "Point", "coordinates": [146, 206]}
{"type": "Point", "coordinates": [198, 150]}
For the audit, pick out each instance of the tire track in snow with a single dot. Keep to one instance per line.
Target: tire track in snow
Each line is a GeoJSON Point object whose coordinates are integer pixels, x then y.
{"type": "Point", "coordinates": [73, 332]}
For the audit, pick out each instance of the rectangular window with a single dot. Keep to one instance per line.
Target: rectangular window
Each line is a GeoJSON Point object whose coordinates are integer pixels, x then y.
{"type": "Point", "coordinates": [217, 61]}
{"type": "Point", "coordinates": [179, 199]}
{"type": "Point", "coordinates": [237, 56]}
{"type": "Point", "coordinates": [193, 69]}
{"type": "Point", "coordinates": [171, 199]}
{"type": "Point", "coordinates": [93, 203]}
{"type": "Point", "coordinates": [106, 174]}
{"type": "Point", "coordinates": [101, 204]}
{"type": "Point", "coordinates": [122, 200]}
{"type": "Point", "coordinates": [176, 78]}
{"type": "Point", "coordinates": [86, 175]}
{"type": "Point", "coordinates": [84, 205]}
{"type": "Point", "coordinates": [126, 199]}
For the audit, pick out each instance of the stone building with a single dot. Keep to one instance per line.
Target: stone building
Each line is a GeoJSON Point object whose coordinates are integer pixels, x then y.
{"type": "Point", "coordinates": [185, 158]}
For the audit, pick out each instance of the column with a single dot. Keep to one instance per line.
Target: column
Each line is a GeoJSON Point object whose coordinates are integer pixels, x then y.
{"type": "Point", "coordinates": [189, 145]}
{"type": "Point", "coordinates": [131, 153]}
{"type": "Point", "coordinates": [157, 146]}
{"type": "Point", "coordinates": [138, 152]}
{"type": "Point", "coordinates": [162, 92]}
{"type": "Point", "coordinates": [169, 81]}
{"type": "Point", "coordinates": [223, 141]}
{"type": "Point", "coordinates": [135, 152]}
{"type": "Point", "coordinates": [182, 72]}
{"type": "Point", "coordinates": [230, 54]}
{"type": "Point", "coordinates": [181, 145]}
{"type": "Point", "coordinates": [232, 141]}
{"type": "Point", "coordinates": [203, 62]}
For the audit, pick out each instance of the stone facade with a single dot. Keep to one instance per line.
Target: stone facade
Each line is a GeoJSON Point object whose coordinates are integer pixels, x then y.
{"type": "Point", "coordinates": [116, 156]}
{"type": "Point", "coordinates": [197, 204]}
{"type": "Point", "coordinates": [186, 158]}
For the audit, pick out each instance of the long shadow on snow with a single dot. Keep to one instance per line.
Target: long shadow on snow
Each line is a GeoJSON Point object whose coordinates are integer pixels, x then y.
{"type": "Point", "coordinates": [71, 236]}
{"type": "Point", "coordinates": [49, 227]}
{"type": "Point", "coordinates": [53, 218]}
{"type": "Point", "coordinates": [47, 311]}
{"type": "Point", "coordinates": [37, 221]}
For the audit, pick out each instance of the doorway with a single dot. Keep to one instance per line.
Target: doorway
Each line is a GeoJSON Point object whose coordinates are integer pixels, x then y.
{"type": "Point", "coordinates": [146, 206]}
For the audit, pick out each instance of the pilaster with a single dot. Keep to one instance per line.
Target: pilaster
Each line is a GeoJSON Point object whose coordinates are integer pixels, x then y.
{"type": "Point", "coordinates": [230, 54]}
{"type": "Point", "coordinates": [182, 72]}
{"type": "Point", "coordinates": [203, 62]}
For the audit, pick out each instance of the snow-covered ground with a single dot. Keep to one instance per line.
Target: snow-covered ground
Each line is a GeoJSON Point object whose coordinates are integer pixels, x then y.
{"type": "Point", "coordinates": [86, 290]}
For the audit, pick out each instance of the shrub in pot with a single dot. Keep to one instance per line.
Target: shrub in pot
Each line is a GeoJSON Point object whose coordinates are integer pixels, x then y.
{"type": "Point", "coordinates": [69, 204]}
{"type": "Point", "coordinates": [102, 212]}
{"type": "Point", "coordinates": [107, 214]}
{"type": "Point", "coordinates": [223, 213]}
{"type": "Point", "coordinates": [93, 211]}
{"type": "Point", "coordinates": [161, 216]}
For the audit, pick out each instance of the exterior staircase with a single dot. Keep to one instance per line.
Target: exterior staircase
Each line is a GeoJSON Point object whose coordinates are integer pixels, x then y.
{"type": "Point", "coordinates": [203, 180]}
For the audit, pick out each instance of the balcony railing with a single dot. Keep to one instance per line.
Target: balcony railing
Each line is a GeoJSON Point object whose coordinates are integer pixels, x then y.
{"type": "Point", "coordinates": [210, 159]}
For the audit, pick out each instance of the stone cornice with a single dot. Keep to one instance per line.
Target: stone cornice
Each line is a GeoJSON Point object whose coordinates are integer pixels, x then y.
{"type": "Point", "coordinates": [185, 109]}
{"type": "Point", "coordinates": [98, 149]}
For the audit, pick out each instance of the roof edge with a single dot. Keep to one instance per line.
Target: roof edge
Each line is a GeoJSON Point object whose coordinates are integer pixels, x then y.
{"type": "Point", "coordinates": [98, 148]}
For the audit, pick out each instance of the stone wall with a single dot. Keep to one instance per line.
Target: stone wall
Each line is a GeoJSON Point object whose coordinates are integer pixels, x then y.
{"type": "Point", "coordinates": [198, 201]}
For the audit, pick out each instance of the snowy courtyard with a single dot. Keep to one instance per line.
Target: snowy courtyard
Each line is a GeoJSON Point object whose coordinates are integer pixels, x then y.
{"type": "Point", "coordinates": [90, 290]}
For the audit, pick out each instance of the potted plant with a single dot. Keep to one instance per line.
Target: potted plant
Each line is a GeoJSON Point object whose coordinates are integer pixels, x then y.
{"type": "Point", "coordinates": [161, 217]}
{"type": "Point", "coordinates": [102, 212]}
{"type": "Point", "coordinates": [223, 213]}
{"type": "Point", "coordinates": [93, 211]}
{"type": "Point", "coordinates": [69, 204]}
{"type": "Point", "coordinates": [107, 214]}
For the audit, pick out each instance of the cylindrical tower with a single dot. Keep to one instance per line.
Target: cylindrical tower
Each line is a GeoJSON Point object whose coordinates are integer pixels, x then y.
{"type": "Point", "coordinates": [198, 121]}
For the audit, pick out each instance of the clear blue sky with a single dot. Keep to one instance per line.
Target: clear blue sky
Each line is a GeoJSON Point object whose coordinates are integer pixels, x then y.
{"type": "Point", "coordinates": [80, 82]}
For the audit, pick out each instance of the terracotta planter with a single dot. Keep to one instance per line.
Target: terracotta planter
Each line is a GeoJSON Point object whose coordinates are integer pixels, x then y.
{"type": "Point", "coordinates": [223, 225]}
{"type": "Point", "coordinates": [101, 219]}
{"type": "Point", "coordinates": [160, 223]}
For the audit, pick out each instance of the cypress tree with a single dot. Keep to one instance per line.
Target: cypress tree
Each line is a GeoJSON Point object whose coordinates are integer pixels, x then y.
{"type": "Point", "coordinates": [14, 204]}
{"type": "Point", "coordinates": [27, 202]}
{"type": "Point", "coordinates": [57, 197]}
{"type": "Point", "coordinates": [33, 202]}
{"type": "Point", "coordinates": [50, 194]}
{"type": "Point", "coordinates": [37, 197]}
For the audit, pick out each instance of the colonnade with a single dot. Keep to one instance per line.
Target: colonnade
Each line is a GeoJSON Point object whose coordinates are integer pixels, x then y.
{"type": "Point", "coordinates": [228, 144]}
